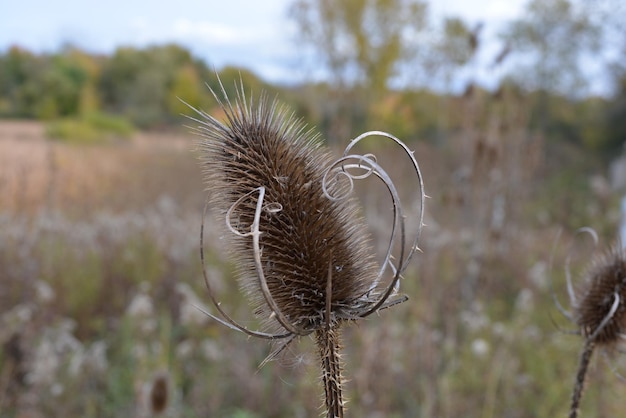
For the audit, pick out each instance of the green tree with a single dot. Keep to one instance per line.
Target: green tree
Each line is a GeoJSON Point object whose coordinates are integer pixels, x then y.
{"type": "Point", "coordinates": [550, 41]}
{"type": "Point", "coordinates": [457, 43]}
{"type": "Point", "coordinates": [362, 45]}
{"type": "Point", "coordinates": [361, 42]}
{"type": "Point", "coordinates": [186, 86]}
{"type": "Point", "coordinates": [615, 115]}
{"type": "Point", "coordinates": [137, 83]}
{"type": "Point", "coordinates": [549, 44]}
{"type": "Point", "coordinates": [61, 87]}
{"type": "Point", "coordinates": [89, 100]}
{"type": "Point", "coordinates": [119, 73]}
{"type": "Point", "coordinates": [610, 14]}
{"type": "Point", "coordinates": [20, 76]}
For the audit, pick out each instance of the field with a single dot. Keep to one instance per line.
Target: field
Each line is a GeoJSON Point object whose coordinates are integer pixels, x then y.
{"type": "Point", "coordinates": [100, 278]}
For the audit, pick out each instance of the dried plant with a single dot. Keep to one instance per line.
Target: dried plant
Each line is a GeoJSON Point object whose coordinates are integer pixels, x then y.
{"type": "Point", "coordinates": [159, 393]}
{"type": "Point", "coordinates": [292, 225]}
{"type": "Point", "coordinates": [598, 309]}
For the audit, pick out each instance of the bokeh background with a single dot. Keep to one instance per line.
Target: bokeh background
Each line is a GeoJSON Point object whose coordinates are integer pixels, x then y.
{"type": "Point", "coordinates": [516, 111]}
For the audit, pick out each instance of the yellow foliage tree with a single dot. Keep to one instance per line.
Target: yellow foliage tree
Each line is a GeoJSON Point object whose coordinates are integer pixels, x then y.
{"type": "Point", "coordinates": [186, 86]}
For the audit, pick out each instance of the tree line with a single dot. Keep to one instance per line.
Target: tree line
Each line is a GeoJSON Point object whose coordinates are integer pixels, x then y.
{"type": "Point", "coordinates": [143, 85]}
{"type": "Point", "coordinates": [364, 47]}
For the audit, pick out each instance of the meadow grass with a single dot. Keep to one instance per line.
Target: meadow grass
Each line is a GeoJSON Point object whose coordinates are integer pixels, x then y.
{"type": "Point", "coordinates": [93, 305]}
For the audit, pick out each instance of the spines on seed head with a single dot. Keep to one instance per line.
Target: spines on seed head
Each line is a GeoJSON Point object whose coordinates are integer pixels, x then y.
{"type": "Point", "coordinates": [302, 249]}
{"type": "Point", "coordinates": [601, 308]}
{"type": "Point", "coordinates": [302, 231]}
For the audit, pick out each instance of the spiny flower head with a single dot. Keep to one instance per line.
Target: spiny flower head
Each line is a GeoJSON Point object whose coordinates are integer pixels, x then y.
{"type": "Point", "coordinates": [303, 233]}
{"type": "Point", "coordinates": [302, 249]}
{"type": "Point", "coordinates": [600, 310]}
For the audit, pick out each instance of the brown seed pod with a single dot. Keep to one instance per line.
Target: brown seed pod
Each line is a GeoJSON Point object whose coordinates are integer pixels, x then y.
{"type": "Point", "coordinates": [600, 311]}
{"type": "Point", "coordinates": [303, 232]}
{"type": "Point", "coordinates": [302, 249]}
{"type": "Point", "coordinates": [159, 394]}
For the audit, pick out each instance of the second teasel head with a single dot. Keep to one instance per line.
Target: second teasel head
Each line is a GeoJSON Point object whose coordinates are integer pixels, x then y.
{"type": "Point", "coordinates": [600, 306]}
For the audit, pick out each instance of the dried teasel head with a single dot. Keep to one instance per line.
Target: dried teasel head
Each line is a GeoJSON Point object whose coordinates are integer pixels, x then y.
{"type": "Point", "coordinates": [293, 227]}
{"type": "Point", "coordinates": [598, 308]}
{"type": "Point", "coordinates": [265, 177]}
{"type": "Point", "coordinates": [290, 221]}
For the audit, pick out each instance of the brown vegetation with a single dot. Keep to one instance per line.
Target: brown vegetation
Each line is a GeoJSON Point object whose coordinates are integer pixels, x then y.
{"type": "Point", "coordinates": [93, 268]}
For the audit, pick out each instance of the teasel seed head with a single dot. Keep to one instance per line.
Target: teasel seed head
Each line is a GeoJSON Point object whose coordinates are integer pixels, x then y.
{"type": "Point", "coordinates": [600, 311]}
{"type": "Point", "coordinates": [302, 249]}
{"type": "Point", "coordinates": [303, 233]}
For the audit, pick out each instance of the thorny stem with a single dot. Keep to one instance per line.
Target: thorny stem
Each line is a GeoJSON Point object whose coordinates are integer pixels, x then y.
{"type": "Point", "coordinates": [328, 343]}
{"type": "Point", "coordinates": [579, 385]}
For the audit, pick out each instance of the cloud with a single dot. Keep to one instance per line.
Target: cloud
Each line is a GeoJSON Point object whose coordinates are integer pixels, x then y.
{"type": "Point", "coordinates": [490, 11]}
{"type": "Point", "coordinates": [212, 33]}
{"type": "Point", "coordinates": [208, 33]}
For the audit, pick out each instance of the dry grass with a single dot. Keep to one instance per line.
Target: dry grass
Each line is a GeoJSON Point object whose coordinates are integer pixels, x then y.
{"type": "Point", "coordinates": [91, 237]}
{"type": "Point", "coordinates": [36, 173]}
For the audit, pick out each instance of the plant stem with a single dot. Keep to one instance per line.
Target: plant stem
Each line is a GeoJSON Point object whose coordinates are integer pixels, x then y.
{"type": "Point", "coordinates": [579, 385]}
{"type": "Point", "coordinates": [328, 343]}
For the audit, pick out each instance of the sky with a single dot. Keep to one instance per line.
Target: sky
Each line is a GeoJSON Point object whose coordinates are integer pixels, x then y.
{"type": "Point", "coordinates": [253, 34]}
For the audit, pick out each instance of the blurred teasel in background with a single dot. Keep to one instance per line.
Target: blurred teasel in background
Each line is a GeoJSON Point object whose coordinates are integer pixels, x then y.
{"type": "Point", "coordinates": [598, 308]}
{"type": "Point", "coordinates": [293, 226]}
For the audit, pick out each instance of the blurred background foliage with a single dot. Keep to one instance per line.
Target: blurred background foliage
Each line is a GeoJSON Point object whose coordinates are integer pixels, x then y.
{"type": "Point", "coordinates": [364, 47]}
{"type": "Point", "coordinates": [101, 196]}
